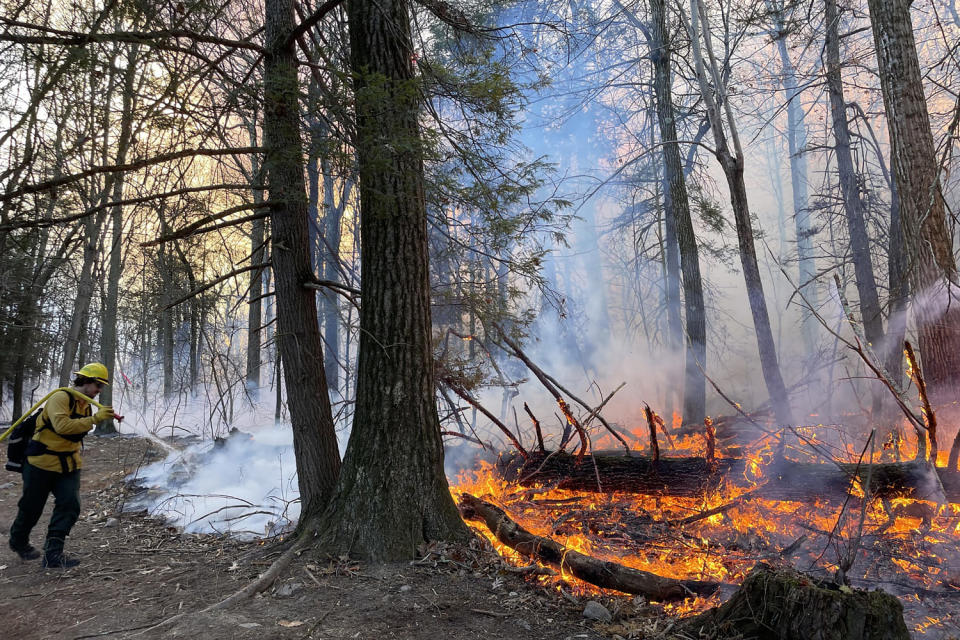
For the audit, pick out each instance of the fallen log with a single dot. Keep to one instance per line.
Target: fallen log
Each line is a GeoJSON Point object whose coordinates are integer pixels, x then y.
{"type": "Point", "coordinates": [781, 604]}
{"type": "Point", "coordinates": [797, 481]}
{"type": "Point", "coordinates": [608, 575]}
{"type": "Point", "coordinates": [635, 474]}
{"type": "Point", "coordinates": [692, 476]}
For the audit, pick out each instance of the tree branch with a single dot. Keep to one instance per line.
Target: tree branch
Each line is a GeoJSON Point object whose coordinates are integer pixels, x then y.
{"type": "Point", "coordinates": [215, 282]}
{"type": "Point", "coordinates": [130, 166]}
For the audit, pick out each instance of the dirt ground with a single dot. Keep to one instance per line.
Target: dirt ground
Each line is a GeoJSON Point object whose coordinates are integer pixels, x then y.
{"type": "Point", "coordinates": [136, 572]}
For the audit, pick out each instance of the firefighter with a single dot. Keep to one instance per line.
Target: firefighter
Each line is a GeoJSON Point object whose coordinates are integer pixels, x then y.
{"type": "Point", "coordinates": [53, 466]}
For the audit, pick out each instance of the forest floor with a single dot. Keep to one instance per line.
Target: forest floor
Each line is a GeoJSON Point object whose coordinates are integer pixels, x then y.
{"type": "Point", "coordinates": [136, 572]}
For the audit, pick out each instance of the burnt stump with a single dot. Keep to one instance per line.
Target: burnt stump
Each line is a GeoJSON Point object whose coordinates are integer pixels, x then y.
{"type": "Point", "coordinates": [782, 604]}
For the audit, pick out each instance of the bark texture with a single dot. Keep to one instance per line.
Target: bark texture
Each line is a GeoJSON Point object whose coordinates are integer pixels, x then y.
{"type": "Point", "coordinates": [781, 604]}
{"type": "Point", "coordinates": [928, 246]}
{"type": "Point", "coordinates": [298, 333]}
{"type": "Point", "coordinates": [393, 493]}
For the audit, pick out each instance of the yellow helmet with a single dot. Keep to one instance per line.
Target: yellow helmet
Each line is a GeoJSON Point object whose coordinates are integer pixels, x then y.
{"type": "Point", "coordinates": [94, 370]}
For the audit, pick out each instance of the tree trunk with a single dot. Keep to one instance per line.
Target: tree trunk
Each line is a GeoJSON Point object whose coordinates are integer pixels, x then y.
{"type": "Point", "coordinates": [678, 203]}
{"type": "Point", "coordinates": [796, 141]}
{"type": "Point", "coordinates": [81, 305]}
{"type": "Point", "coordinates": [165, 337]}
{"type": "Point", "coordinates": [671, 266]}
{"type": "Point", "coordinates": [733, 169]}
{"type": "Point", "coordinates": [111, 306]}
{"type": "Point", "coordinates": [781, 604]}
{"type": "Point", "coordinates": [850, 184]}
{"type": "Point", "coordinates": [732, 164]}
{"type": "Point", "coordinates": [393, 493]}
{"type": "Point", "coordinates": [298, 334]}
{"type": "Point", "coordinates": [255, 306]}
{"type": "Point", "coordinates": [928, 246]}
{"type": "Point", "coordinates": [329, 299]}
{"type": "Point", "coordinates": [899, 291]}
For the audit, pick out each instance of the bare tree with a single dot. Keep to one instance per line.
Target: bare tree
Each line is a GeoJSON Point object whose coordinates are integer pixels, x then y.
{"type": "Point", "coordinates": [714, 94]}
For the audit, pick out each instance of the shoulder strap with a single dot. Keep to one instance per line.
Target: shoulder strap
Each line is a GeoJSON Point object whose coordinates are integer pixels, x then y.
{"type": "Point", "coordinates": [47, 422]}
{"type": "Point", "coordinates": [73, 400]}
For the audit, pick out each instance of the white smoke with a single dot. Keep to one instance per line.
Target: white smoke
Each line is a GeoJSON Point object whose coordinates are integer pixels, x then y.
{"type": "Point", "coordinates": [244, 485]}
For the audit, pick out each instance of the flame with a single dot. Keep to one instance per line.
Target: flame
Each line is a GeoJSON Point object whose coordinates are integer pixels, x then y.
{"type": "Point", "coordinates": [912, 538]}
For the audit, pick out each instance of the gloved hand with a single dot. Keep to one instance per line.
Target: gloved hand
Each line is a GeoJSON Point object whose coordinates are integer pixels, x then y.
{"type": "Point", "coordinates": [104, 413]}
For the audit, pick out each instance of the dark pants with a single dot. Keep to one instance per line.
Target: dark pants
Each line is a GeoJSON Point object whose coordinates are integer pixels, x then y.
{"type": "Point", "coordinates": [37, 485]}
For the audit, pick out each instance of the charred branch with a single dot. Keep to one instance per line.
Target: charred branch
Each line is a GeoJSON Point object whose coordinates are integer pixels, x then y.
{"type": "Point", "coordinates": [928, 411]}
{"type": "Point", "coordinates": [607, 575]}
{"type": "Point", "coordinates": [460, 391]}
{"type": "Point", "coordinates": [555, 388]}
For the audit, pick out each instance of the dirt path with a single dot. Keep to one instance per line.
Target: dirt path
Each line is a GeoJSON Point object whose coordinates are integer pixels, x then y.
{"type": "Point", "coordinates": [136, 572]}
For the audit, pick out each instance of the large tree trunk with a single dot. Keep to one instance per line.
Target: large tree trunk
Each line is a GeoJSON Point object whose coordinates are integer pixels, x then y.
{"type": "Point", "coordinates": [300, 344]}
{"type": "Point", "coordinates": [850, 184]}
{"type": "Point", "coordinates": [393, 493]}
{"type": "Point", "coordinates": [928, 246]}
{"type": "Point", "coordinates": [678, 204]}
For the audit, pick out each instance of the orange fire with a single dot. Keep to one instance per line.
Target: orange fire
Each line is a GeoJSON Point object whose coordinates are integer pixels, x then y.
{"type": "Point", "coordinates": [899, 539]}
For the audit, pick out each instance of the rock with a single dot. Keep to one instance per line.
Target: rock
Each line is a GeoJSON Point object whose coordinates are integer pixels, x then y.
{"type": "Point", "coordinates": [405, 588]}
{"type": "Point", "coordinates": [782, 604]}
{"type": "Point", "coordinates": [249, 625]}
{"type": "Point", "coordinates": [287, 589]}
{"type": "Point", "coordinates": [596, 611]}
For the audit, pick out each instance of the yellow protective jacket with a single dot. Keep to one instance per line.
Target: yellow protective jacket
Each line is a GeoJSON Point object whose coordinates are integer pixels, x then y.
{"type": "Point", "coordinates": [60, 430]}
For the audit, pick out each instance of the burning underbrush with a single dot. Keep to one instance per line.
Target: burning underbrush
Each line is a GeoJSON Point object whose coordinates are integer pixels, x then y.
{"type": "Point", "coordinates": [863, 516]}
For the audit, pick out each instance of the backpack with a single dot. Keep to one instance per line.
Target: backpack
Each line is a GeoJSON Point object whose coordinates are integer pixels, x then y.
{"type": "Point", "coordinates": [20, 438]}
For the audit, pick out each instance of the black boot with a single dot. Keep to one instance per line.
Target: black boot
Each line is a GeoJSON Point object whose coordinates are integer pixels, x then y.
{"type": "Point", "coordinates": [54, 557]}
{"type": "Point", "coordinates": [25, 551]}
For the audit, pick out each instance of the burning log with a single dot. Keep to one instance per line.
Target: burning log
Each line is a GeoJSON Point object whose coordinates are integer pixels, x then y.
{"type": "Point", "coordinates": [607, 575]}
{"type": "Point", "coordinates": [692, 476]}
{"type": "Point", "coordinates": [782, 604]}
{"type": "Point", "coordinates": [635, 474]}
{"type": "Point", "coordinates": [800, 481]}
